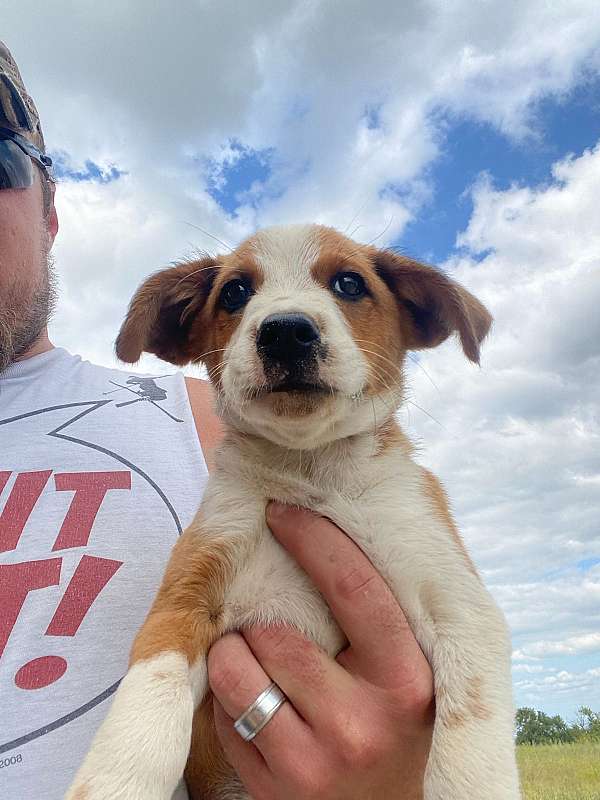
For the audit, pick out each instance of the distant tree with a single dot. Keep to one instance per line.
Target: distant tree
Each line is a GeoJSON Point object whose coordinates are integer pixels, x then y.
{"type": "Point", "coordinates": [587, 725]}
{"type": "Point", "coordinates": [535, 727]}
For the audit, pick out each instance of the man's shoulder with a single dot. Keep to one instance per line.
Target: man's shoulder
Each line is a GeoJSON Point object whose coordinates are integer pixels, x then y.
{"type": "Point", "coordinates": [208, 426]}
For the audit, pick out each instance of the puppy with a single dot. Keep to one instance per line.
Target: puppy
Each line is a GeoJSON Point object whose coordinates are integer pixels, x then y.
{"type": "Point", "coordinates": [304, 333]}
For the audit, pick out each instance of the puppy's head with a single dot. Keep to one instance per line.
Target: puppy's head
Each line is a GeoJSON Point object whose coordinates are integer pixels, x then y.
{"type": "Point", "coordinates": [302, 330]}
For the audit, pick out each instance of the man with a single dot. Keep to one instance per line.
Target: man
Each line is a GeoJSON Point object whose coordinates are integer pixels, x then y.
{"type": "Point", "coordinates": [99, 472]}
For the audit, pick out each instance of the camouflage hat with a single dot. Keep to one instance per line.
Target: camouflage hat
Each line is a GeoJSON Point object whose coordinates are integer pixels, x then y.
{"type": "Point", "coordinates": [17, 110]}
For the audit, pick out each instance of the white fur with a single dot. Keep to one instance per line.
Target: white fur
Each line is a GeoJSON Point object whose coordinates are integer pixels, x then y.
{"type": "Point", "coordinates": [325, 462]}
{"type": "Point", "coordinates": [151, 720]}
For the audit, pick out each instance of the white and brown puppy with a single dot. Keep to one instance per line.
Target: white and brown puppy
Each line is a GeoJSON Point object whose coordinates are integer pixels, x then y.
{"type": "Point", "coordinates": [304, 333]}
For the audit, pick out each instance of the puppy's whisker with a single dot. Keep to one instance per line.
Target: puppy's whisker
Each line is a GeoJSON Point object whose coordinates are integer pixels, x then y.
{"type": "Point", "coordinates": [383, 232]}
{"type": "Point", "coordinates": [195, 272]}
{"type": "Point", "coordinates": [416, 361]}
{"type": "Point", "coordinates": [374, 418]}
{"type": "Point", "coordinates": [416, 405]}
{"type": "Point", "coordinates": [216, 238]}
{"type": "Point", "coordinates": [209, 353]}
{"type": "Point", "coordinates": [354, 218]}
{"type": "Point", "coordinates": [392, 375]}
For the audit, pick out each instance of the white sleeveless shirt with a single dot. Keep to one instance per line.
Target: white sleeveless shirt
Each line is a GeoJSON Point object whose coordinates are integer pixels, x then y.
{"type": "Point", "coordinates": [100, 471]}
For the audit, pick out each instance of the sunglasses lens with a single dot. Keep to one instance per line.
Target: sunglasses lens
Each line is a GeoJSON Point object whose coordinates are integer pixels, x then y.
{"type": "Point", "coordinates": [16, 168]}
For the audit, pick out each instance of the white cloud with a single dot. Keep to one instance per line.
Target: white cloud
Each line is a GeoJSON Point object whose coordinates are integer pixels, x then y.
{"type": "Point", "coordinates": [148, 87]}
{"type": "Point", "coordinates": [564, 682]}
{"type": "Point", "coordinates": [519, 450]}
{"type": "Point", "coordinates": [528, 668]}
{"type": "Point", "coordinates": [574, 645]}
{"type": "Point", "coordinates": [524, 425]}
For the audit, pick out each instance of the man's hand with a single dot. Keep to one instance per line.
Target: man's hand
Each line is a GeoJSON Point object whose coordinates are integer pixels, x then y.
{"type": "Point", "coordinates": [359, 726]}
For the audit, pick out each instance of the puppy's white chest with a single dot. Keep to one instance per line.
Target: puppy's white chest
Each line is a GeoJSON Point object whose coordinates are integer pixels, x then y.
{"type": "Point", "coordinates": [270, 588]}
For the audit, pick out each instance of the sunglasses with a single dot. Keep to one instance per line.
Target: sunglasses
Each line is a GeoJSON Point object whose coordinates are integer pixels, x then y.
{"type": "Point", "coordinates": [16, 156]}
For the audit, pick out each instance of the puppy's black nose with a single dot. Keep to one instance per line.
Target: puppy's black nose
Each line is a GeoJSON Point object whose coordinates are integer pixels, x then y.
{"type": "Point", "coordinates": [287, 337]}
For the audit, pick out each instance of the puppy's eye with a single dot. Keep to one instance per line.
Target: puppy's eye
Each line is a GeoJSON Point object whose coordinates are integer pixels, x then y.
{"type": "Point", "coordinates": [235, 294]}
{"type": "Point", "coordinates": [349, 285]}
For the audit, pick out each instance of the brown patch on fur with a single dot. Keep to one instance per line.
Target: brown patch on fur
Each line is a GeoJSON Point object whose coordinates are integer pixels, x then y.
{"type": "Point", "coordinates": [375, 320]}
{"type": "Point", "coordinates": [215, 326]}
{"type": "Point", "coordinates": [187, 616]}
{"type": "Point", "coordinates": [207, 769]}
{"type": "Point", "coordinates": [176, 315]}
{"type": "Point", "coordinates": [439, 501]}
{"type": "Point", "coordinates": [477, 707]}
{"type": "Point", "coordinates": [389, 436]}
{"type": "Point", "coordinates": [474, 707]}
{"type": "Point", "coordinates": [182, 617]}
{"type": "Point", "coordinates": [161, 312]}
{"type": "Point", "coordinates": [433, 306]}
{"type": "Point", "coordinates": [81, 792]}
{"type": "Point", "coordinates": [295, 404]}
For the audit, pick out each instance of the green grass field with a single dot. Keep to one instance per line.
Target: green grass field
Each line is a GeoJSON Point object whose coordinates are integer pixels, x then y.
{"type": "Point", "coordinates": [560, 771]}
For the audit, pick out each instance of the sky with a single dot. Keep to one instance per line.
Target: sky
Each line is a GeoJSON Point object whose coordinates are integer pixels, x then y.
{"type": "Point", "coordinates": [466, 134]}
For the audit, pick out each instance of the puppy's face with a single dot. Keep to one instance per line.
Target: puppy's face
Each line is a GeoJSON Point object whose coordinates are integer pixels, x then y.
{"type": "Point", "coordinates": [302, 330]}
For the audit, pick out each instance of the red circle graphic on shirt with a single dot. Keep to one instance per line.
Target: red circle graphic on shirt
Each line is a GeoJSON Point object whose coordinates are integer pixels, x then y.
{"type": "Point", "coordinates": [40, 672]}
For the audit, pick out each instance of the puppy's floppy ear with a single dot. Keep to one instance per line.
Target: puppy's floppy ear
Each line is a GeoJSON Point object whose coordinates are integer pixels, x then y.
{"type": "Point", "coordinates": [162, 311]}
{"type": "Point", "coordinates": [434, 304]}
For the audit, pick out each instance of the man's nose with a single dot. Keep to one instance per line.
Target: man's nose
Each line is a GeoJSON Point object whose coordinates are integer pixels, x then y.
{"type": "Point", "coordinates": [286, 338]}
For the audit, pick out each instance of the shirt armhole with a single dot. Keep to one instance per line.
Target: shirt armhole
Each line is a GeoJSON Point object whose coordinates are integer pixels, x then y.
{"type": "Point", "coordinates": [208, 425]}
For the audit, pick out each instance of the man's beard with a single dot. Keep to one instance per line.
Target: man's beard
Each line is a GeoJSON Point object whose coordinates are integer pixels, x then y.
{"type": "Point", "coordinates": [23, 320]}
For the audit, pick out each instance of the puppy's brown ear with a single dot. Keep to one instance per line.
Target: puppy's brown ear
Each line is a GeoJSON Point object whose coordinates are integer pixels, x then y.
{"type": "Point", "coordinates": [162, 312]}
{"type": "Point", "coordinates": [434, 305]}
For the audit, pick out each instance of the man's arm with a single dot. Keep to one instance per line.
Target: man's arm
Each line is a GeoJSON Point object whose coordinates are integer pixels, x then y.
{"type": "Point", "coordinates": [208, 425]}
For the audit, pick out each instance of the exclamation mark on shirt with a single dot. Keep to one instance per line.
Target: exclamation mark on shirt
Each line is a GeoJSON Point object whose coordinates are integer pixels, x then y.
{"type": "Point", "coordinates": [90, 578]}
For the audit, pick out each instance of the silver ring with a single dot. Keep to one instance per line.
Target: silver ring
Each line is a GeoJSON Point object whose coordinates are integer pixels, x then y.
{"type": "Point", "coordinates": [256, 716]}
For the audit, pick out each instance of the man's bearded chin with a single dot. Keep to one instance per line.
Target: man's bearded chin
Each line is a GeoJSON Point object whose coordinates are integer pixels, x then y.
{"type": "Point", "coordinates": [23, 318]}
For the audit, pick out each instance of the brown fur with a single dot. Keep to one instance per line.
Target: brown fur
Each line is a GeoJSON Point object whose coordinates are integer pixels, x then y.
{"type": "Point", "coordinates": [215, 326]}
{"type": "Point", "coordinates": [207, 768]}
{"type": "Point", "coordinates": [389, 435]}
{"type": "Point", "coordinates": [474, 708]}
{"type": "Point", "coordinates": [176, 315]}
{"type": "Point", "coordinates": [186, 614]}
{"type": "Point", "coordinates": [162, 311]}
{"type": "Point", "coordinates": [434, 306]}
{"type": "Point", "coordinates": [81, 792]}
{"type": "Point", "coordinates": [439, 501]}
{"type": "Point", "coordinates": [375, 320]}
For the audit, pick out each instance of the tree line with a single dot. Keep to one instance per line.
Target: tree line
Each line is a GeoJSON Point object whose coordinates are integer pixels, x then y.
{"type": "Point", "coordinates": [535, 727]}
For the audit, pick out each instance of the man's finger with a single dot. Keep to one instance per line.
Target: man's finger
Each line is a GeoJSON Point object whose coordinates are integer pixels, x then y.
{"type": "Point", "coordinates": [318, 687]}
{"type": "Point", "coordinates": [243, 756]}
{"type": "Point", "coordinates": [236, 679]}
{"type": "Point", "coordinates": [383, 644]}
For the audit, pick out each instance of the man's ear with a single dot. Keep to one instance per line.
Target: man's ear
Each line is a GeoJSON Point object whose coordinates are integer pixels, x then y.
{"type": "Point", "coordinates": [434, 305]}
{"type": "Point", "coordinates": [162, 311]}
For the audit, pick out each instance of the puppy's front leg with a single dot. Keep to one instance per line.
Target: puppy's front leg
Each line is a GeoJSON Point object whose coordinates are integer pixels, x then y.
{"type": "Point", "coordinates": [472, 754]}
{"type": "Point", "coordinates": [140, 751]}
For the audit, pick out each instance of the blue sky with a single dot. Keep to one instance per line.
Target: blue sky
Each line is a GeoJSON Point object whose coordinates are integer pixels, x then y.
{"type": "Point", "coordinates": [559, 126]}
{"type": "Point", "coordinates": [466, 135]}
